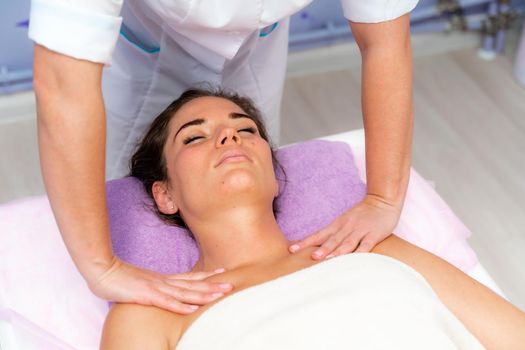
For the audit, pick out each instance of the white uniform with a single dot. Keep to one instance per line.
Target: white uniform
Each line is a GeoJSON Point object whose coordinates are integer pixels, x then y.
{"type": "Point", "coordinates": [167, 46]}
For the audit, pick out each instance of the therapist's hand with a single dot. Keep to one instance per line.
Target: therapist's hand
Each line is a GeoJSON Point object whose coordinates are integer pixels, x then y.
{"type": "Point", "coordinates": [180, 293]}
{"type": "Point", "coordinates": [359, 229]}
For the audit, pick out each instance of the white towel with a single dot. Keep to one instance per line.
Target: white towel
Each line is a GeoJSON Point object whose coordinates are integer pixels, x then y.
{"type": "Point", "coordinates": [356, 301]}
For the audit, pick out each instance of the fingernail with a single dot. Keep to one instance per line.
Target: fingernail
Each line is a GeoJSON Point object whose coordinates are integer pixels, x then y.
{"type": "Point", "coordinates": [294, 247]}
{"type": "Point", "coordinates": [193, 307]}
{"type": "Point", "coordinates": [222, 269]}
{"type": "Point", "coordinates": [217, 295]}
{"type": "Point", "coordinates": [225, 286]}
{"type": "Point", "coordinates": [318, 253]}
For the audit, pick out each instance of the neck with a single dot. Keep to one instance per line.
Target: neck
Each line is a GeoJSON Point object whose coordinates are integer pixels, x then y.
{"type": "Point", "coordinates": [240, 237]}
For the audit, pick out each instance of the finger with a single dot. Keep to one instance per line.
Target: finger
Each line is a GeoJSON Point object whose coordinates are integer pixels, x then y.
{"type": "Point", "coordinates": [188, 296]}
{"type": "Point", "coordinates": [328, 246]}
{"type": "Point", "coordinates": [313, 240]}
{"type": "Point", "coordinates": [367, 244]}
{"type": "Point", "coordinates": [200, 286]}
{"type": "Point", "coordinates": [167, 302]}
{"type": "Point", "coordinates": [199, 275]}
{"type": "Point", "coordinates": [347, 246]}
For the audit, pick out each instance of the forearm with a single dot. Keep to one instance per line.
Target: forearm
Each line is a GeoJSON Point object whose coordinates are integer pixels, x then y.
{"type": "Point", "coordinates": [71, 136]}
{"type": "Point", "coordinates": [388, 118]}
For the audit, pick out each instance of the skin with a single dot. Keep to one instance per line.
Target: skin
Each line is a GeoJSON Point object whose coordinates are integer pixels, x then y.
{"type": "Point", "coordinates": [71, 116]}
{"type": "Point", "coordinates": [386, 98]}
{"type": "Point", "coordinates": [70, 110]}
{"type": "Point", "coordinates": [228, 207]}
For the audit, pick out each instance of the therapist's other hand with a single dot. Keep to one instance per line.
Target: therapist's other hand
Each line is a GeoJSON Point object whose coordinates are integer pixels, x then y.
{"type": "Point", "coordinates": [359, 229]}
{"type": "Point", "coordinates": [180, 293]}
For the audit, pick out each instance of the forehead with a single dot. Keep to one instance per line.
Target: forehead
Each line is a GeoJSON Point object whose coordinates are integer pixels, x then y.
{"type": "Point", "coordinates": [208, 107]}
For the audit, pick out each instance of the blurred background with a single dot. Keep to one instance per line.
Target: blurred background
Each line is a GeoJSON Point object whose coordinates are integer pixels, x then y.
{"type": "Point", "coordinates": [469, 97]}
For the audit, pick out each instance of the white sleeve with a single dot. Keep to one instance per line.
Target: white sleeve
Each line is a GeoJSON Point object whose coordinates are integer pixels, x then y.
{"type": "Point", "coordinates": [83, 29]}
{"type": "Point", "coordinates": [374, 11]}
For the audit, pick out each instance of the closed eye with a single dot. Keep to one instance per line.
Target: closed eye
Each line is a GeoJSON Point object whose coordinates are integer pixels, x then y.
{"type": "Point", "coordinates": [190, 139]}
{"type": "Point", "coordinates": [251, 130]}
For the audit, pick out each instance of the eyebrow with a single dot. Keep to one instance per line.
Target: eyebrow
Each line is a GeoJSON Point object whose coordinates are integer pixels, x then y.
{"type": "Point", "coordinates": [200, 121]}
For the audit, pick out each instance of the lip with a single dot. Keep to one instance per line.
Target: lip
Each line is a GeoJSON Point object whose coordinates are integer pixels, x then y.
{"type": "Point", "coordinates": [233, 156]}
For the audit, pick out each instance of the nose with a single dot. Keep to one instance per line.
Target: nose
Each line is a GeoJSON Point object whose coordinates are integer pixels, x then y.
{"type": "Point", "coordinates": [228, 136]}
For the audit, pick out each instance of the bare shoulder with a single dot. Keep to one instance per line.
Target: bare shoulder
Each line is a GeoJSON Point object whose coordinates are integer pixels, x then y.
{"type": "Point", "coordinates": [442, 276]}
{"type": "Point", "coordinates": [473, 303]}
{"type": "Point", "coordinates": [395, 246]}
{"type": "Point", "coordinates": [133, 326]}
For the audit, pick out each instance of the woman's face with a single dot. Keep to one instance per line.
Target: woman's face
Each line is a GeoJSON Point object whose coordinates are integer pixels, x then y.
{"type": "Point", "coordinates": [215, 157]}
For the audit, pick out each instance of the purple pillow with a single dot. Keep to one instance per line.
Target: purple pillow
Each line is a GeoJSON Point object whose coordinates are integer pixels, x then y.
{"type": "Point", "coordinates": [322, 181]}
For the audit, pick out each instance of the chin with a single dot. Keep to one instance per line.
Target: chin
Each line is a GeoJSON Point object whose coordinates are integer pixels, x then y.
{"type": "Point", "coordinates": [238, 180]}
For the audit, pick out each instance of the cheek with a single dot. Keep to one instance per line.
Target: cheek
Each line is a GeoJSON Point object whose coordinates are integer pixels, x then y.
{"type": "Point", "coordinates": [184, 170]}
{"type": "Point", "coordinates": [265, 152]}
{"type": "Point", "coordinates": [266, 159]}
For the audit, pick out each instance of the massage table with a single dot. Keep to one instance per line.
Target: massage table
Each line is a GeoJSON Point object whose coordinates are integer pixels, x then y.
{"type": "Point", "coordinates": [48, 305]}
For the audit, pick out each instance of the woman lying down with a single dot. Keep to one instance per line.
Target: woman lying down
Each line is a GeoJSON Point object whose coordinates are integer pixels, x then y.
{"type": "Point", "coordinates": [207, 162]}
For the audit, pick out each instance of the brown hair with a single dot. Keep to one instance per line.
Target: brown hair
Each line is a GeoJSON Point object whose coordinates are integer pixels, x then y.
{"type": "Point", "coordinates": [148, 163]}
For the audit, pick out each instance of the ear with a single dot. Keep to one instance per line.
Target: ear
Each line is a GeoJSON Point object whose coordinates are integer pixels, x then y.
{"type": "Point", "coordinates": [276, 191]}
{"type": "Point", "coordinates": [163, 198]}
